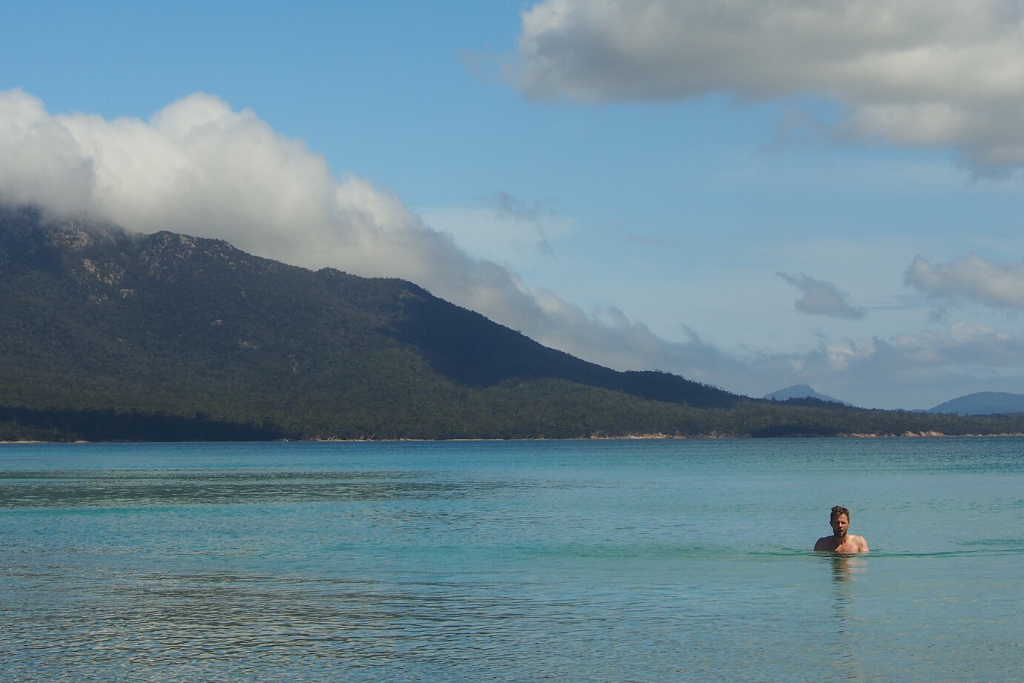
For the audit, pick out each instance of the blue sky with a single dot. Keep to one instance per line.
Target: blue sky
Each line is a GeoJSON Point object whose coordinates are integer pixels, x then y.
{"type": "Point", "coordinates": [641, 192]}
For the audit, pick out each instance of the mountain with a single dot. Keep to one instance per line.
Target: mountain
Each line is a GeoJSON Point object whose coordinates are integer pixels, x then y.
{"type": "Point", "coordinates": [95, 318]}
{"type": "Point", "coordinates": [983, 403]}
{"type": "Point", "coordinates": [799, 391]}
{"type": "Point", "coordinates": [105, 334]}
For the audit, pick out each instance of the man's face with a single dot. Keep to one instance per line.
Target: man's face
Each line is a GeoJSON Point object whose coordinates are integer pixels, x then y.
{"type": "Point", "coordinates": [839, 525]}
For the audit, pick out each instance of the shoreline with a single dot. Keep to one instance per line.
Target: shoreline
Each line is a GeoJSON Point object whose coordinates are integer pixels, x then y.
{"type": "Point", "coordinates": [625, 437]}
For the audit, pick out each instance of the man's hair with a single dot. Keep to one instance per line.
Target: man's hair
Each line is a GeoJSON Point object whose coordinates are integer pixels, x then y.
{"type": "Point", "coordinates": [838, 510]}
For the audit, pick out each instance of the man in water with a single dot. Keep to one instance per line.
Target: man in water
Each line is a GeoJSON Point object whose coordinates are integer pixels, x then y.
{"type": "Point", "coordinates": [840, 541]}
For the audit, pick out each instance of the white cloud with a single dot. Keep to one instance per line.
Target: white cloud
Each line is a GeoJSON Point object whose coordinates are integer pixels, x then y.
{"type": "Point", "coordinates": [502, 227]}
{"type": "Point", "coordinates": [40, 157]}
{"type": "Point", "coordinates": [1000, 285]}
{"type": "Point", "coordinates": [962, 344]}
{"type": "Point", "coordinates": [920, 73]}
{"type": "Point", "coordinates": [822, 298]}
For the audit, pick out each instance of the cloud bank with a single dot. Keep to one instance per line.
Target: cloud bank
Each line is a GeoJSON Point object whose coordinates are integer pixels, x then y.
{"type": "Point", "coordinates": [822, 298]}
{"type": "Point", "coordinates": [916, 73]}
{"type": "Point", "coordinates": [1000, 285]}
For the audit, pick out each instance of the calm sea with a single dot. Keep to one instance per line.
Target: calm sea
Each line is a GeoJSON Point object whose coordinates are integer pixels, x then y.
{"type": "Point", "coordinates": [517, 561]}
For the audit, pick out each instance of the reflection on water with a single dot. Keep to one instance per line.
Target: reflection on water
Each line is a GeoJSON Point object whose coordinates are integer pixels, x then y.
{"type": "Point", "coordinates": [845, 571]}
{"type": "Point", "coordinates": [67, 489]}
{"type": "Point", "coordinates": [844, 567]}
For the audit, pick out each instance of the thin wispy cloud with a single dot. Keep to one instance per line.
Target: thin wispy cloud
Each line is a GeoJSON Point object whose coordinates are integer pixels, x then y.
{"type": "Point", "coordinates": [822, 298]}
{"type": "Point", "coordinates": [511, 208]}
{"type": "Point", "coordinates": [797, 127]}
{"type": "Point", "coordinates": [941, 73]}
{"type": "Point", "coordinates": [1000, 285]}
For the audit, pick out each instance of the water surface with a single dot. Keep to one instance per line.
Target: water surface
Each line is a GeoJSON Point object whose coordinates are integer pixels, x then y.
{"type": "Point", "coordinates": [519, 561]}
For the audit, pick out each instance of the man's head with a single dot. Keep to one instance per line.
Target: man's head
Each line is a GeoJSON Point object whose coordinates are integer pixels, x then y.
{"type": "Point", "coordinates": [839, 520]}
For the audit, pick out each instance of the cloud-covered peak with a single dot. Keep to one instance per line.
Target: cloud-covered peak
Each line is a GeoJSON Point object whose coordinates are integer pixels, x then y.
{"type": "Point", "coordinates": [917, 73]}
{"type": "Point", "coordinates": [201, 168]}
{"type": "Point", "coordinates": [822, 298]}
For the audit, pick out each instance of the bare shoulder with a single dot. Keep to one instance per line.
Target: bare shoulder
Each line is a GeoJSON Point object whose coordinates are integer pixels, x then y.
{"type": "Point", "coordinates": [860, 543]}
{"type": "Point", "coordinates": [825, 543]}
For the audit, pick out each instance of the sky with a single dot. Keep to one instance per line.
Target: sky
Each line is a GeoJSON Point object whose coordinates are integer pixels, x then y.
{"type": "Point", "coordinates": [749, 193]}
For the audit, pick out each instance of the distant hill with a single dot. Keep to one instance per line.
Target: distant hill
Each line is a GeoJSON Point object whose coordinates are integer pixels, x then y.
{"type": "Point", "coordinates": [798, 391]}
{"type": "Point", "coordinates": [106, 335]}
{"type": "Point", "coordinates": [983, 403]}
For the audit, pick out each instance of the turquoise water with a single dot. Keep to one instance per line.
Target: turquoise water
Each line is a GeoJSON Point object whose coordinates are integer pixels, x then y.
{"type": "Point", "coordinates": [517, 561]}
